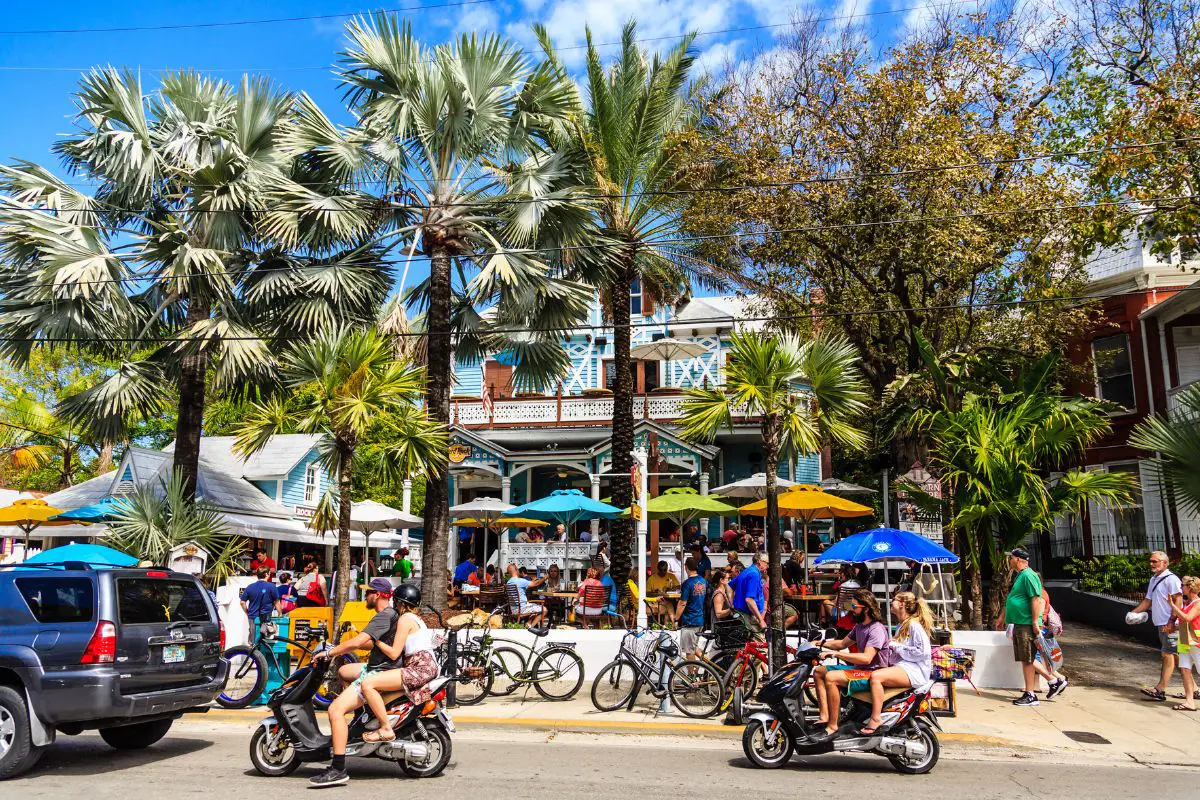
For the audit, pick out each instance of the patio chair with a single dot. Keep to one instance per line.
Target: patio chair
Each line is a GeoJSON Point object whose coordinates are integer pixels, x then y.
{"type": "Point", "coordinates": [515, 610]}
{"type": "Point", "coordinates": [596, 610]}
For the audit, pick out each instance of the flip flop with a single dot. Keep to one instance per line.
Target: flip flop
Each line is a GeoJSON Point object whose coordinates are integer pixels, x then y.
{"type": "Point", "coordinates": [863, 731]}
{"type": "Point", "coordinates": [1181, 707]}
{"type": "Point", "coordinates": [1182, 696]}
{"type": "Point", "coordinates": [1155, 694]}
{"type": "Point", "coordinates": [377, 736]}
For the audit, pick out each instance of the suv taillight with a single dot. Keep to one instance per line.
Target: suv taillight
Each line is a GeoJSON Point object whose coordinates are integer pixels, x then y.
{"type": "Point", "coordinates": [222, 645]}
{"type": "Point", "coordinates": [102, 649]}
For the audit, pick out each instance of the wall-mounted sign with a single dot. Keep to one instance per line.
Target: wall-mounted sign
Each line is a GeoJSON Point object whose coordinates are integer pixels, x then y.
{"type": "Point", "coordinates": [459, 453]}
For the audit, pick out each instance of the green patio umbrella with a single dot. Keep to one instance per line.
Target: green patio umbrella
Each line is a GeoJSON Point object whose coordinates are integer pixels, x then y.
{"type": "Point", "coordinates": [682, 504]}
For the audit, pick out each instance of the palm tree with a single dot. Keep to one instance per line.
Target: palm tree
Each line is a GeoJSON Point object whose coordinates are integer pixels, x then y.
{"type": "Point", "coordinates": [460, 141]}
{"type": "Point", "coordinates": [24, 423]}
{"type": "Point", "coordinates": [634, 109]}
{"type": "Point", "coordinates": [1175, 441]}
{"type": "Point", "coordinates": [338, 386]}
{"type": "Point", "coordinates": [208, 226]}
{"type": "Point", "coordinates": [765, 377]}
{"type": "Point", "coordinates": [160, 516]}
{"type": "Point", "coordinates": [993, 451]}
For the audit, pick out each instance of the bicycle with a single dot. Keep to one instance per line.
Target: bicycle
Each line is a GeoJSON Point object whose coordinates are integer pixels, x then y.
{"type": "Point", "coordinates": [248, 666]}
{"type": "Point", "coordinates": [471, 675]}
{"type": "Point", "coordinates": [514, 664]}
{"type": "Point", "coordinates": [651, 658]}
{"type": "Point", "coordinates": [741, 667]}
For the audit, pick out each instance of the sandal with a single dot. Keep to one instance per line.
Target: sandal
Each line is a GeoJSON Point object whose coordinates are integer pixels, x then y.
{"type": "Point", "coordinates": [380, 735]}
{"type": "Point", "coordinates": [1182, 707]}
{"type": "Point", "coordinates": [1182, 696]}
{"type": "Point", "coordinates": [865, 731]}
{"type": "Point", "coordinates": [1155, 694]}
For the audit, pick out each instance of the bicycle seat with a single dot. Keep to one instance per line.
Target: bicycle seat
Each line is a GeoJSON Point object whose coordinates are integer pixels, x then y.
{"type": "Point", "coordinates": [542, 631]}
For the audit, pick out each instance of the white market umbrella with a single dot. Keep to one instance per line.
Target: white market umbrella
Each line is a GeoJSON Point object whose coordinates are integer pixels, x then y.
{"type": "Point", "coordinates": [839, 486]}
{"type": "Point", "coordinates": [754, 487]}
{"type": "Point", "coordinates": [485, 510]}
{"type": "Point", "coordinates": [667, 349]}
{"type": "Point", "coordinates": [368, 517]}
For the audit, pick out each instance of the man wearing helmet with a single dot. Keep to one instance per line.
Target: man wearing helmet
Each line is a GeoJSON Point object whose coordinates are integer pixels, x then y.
{"type": "Point", "coordinates": [388, 637]}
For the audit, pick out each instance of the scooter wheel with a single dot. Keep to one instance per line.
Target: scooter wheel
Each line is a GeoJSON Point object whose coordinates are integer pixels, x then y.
{"type": "Point", "coordinates": [273, 759]}
{"type": "Point", "coordinates": [922, 732]}
{"type": "Point", "coordinates": [764, 754]}
{"type": "Point", "coordinates": [440, 750]}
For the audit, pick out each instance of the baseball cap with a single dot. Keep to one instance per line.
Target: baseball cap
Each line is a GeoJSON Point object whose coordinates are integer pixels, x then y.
{"type": "Point", "coordinates": [381, 585]}
{"type": "Point", "coordinates": [1019, 552]}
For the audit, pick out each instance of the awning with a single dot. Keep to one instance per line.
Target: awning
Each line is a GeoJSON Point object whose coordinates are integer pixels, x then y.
{"type": "Point", "coordinates": [294, 530]}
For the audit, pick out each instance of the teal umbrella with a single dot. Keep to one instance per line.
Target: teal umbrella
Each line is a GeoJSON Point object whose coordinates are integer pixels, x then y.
{"type": "Point", "coordinates": [567, 506]}
{"type": "Point", "coordinates": [106, 510]}
{"type": "Point", "coordinates": [96, 555]}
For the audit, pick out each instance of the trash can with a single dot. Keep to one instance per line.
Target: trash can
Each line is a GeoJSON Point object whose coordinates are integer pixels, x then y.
{"type": "Point", "coordinates": [280, 666]}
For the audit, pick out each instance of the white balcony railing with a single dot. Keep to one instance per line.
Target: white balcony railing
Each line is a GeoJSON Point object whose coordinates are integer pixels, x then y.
{"type": "Point", "coordinates": [571, 410]}
{"type": "Point", "coordinates": [1175, 408]}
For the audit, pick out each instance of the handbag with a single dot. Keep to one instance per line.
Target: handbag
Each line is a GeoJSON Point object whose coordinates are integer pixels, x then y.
{"type": "Point", "coordinates": [953, 664]}
{"type": "Point", "coordinates": [1053, 622]}
{"type": "Point", "coordinates": [1049, 652]}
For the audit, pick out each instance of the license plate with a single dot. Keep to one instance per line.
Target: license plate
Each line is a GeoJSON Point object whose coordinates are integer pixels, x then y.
{"type": "Point", "coordinates": [174, 654]}
{"type": "Point", "coordinates": [449, 723]}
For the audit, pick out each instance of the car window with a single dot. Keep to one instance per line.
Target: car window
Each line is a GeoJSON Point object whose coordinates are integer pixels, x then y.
{"type": "Point", "coordinates": [149, 600]}
{"type": "Point", "coordinates": [58, 599]}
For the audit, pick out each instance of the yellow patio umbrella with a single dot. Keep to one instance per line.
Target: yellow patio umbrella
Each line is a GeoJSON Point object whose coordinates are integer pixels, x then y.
{"type": "Point", "coordinates": [503, 522]}
{"type": "Point", "coordinates": [29, 514]}
{"type": "Point", "coordinates": [806, 503]}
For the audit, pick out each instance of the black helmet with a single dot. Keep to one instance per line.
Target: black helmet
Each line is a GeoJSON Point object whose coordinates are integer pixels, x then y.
{"type": "Point", "coordinates": [408, 594]}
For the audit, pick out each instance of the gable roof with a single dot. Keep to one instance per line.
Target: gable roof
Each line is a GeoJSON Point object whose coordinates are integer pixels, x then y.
{"type": "Point", "coordinates": [282, 453]}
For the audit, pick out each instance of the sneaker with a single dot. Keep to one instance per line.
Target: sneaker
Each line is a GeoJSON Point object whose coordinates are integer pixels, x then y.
{"type": "Point", "coordinates": [329, 777]}
{"type": "Point", "coordinates": [1056, 688]}
{"type": "Point", "coordinates": [1027, 699]}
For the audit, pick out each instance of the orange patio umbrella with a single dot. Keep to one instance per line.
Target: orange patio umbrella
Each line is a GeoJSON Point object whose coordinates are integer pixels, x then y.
{"type": "Point", "coordinates": [807, 503]}
{"type": "Point", "coordinates": [29, 514]}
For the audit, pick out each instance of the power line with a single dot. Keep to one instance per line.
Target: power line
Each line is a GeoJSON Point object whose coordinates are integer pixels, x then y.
{"type": "Point", "coordinates": [665, 242]}
{"type": "Point", "coordinates": [234, 23]}
{"type": "Point", "coordinates": [828, 179]}
{"type": "Point", "coordinates": [606, 326]}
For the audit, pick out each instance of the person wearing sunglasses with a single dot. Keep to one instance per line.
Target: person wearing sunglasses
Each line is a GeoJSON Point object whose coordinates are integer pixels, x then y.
{"type": "Point", "coordinates": [869, 637]}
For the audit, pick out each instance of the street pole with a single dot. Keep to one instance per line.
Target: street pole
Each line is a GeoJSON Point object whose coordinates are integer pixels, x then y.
{"type": "Point", "coordinates": [640, 459]}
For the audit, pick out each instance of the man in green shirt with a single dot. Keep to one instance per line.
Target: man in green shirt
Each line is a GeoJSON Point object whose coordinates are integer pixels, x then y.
{"type": "Point", "coordinates": [1023, 610]}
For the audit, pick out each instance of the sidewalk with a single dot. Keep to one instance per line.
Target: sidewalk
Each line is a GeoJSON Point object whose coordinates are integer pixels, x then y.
{"type": "Point", "coordinates": [1114, 726]}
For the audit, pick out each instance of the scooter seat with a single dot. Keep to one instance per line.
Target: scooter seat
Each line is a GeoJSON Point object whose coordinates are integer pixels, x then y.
{"type": "Point", "coordinates": [888, 694]}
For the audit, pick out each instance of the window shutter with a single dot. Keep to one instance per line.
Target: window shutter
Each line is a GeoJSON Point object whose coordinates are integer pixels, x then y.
{"type": "Point", "coordinates": [647, 303]}
{"type": "Point", "coordinates": [1062, 523]}
{"type": "Point", "coordinates": [1100, 520]}
{"type": "Point", "coordinates": [1187, 354]}
{"type": "Point", "coordinates": [1156, 533]}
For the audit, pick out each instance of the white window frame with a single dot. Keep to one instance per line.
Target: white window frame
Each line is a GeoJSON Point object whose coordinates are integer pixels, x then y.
{"type": "Point", "coordinates": [1114, 512]}
{"type": "Point", "coordinates": [640, 294]}
{"type": "Point", "coordinates": [1096, 374]}
{"type": "Point", "coordinates": [312, 489]}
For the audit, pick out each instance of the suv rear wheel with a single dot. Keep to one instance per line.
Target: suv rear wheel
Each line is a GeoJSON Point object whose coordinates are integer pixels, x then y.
{"type": "Point", "coordinates": [138, 736]}
{"type": "Point", "coordinates": [17, 751]}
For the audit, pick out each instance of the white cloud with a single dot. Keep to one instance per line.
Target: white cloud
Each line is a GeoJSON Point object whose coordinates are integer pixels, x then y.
{"type": "Point", "coordinates": [773, 12]}
{"type": "Point", "coordinates": [715, 58]}
{"type": "Point", "coordinates": [481, 19]}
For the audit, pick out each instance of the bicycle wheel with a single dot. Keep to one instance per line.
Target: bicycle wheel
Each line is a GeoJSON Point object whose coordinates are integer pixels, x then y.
{"type": "Point", "coordinates": [474, 679]}
{"type": "Point", "coordinates": [246, 677]}
{"type": "Point", "coordinates": [331, 685]}
{"type": "Point", "coordinates": [696, 688]}
{"type": "Point", "coordinates": [615, 685]}
{"type": "Point", "coordinates": [508, 668]}
{"type": "Point", "coordinates": [557, 673]}
{"type": "Point", "coordinates": [742, 674]}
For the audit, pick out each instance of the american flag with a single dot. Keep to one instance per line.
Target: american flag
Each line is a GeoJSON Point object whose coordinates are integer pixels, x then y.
{"type": "Point", "coordinates": [486, 394]}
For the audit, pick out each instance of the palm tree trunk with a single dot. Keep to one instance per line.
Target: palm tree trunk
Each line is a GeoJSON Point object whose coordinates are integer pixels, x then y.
{"type": "Point", "coordinates": [440, 372]}
{"type": "Point", "coordinates": [190, 420]}
{"type": "Point", "coordinates": [104, 461]}
{"type": "Point", "coordinates": [345, 479]}
{"type": "Point", "coordinates": [770, 434]}
{"type": "Point", "coordinates": [623, 531]}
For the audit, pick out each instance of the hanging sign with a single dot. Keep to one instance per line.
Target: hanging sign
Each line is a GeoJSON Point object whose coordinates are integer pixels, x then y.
{"type": "Point", "coordinates": [459, 453]}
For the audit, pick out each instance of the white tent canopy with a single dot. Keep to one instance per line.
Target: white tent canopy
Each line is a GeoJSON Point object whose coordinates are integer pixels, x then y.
{"type": "Point", "coordinates": [754, 487]}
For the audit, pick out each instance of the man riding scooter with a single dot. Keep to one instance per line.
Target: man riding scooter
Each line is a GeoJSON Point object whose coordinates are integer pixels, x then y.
{"type": "Point", "coordinates": [869, 638]}
{"type": "Point", "coordinates": [381, 628]}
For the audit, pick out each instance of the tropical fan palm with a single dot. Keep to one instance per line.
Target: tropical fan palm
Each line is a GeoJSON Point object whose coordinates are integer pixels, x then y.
{"type": "Point", "coordinates": [207, 228]}
{"type": "Point", "coordinates": [459, 141]}
{"type": "Point", "coordinates": [805, 394]}
{"type": "Point", "coordinates": [160, 516]}
{"type": "Point", "coordinates": [339, 386]}
{"type": "Point", "coordinates": [1176, 441]}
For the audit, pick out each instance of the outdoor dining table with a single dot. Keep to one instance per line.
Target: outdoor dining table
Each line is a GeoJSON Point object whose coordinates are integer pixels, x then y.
{"type": "Point", "coordinates": [556, 601]}
{"type": "Point", "coordinates": [806, 600]}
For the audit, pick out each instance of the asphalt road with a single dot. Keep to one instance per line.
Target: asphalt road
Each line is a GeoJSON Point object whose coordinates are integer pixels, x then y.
{"type": "Point", "coordinates": [210, 759]}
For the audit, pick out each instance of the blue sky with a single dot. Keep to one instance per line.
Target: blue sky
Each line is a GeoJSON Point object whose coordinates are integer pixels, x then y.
{"type": "Point", "coordinates": [39, 71]}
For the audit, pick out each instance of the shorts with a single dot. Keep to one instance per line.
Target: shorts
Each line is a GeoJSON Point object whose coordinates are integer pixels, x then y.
{"type": "Point", "coordinates": [1168, 642]}
{"type": "Point", "coordinates": [689, 640]}
{"type": "Point", "coordinates": [530, 608]}
{"type": "Point", "coordinates": [1022, 640]}
{"type": "Point", "coordinates": [1190, 660]}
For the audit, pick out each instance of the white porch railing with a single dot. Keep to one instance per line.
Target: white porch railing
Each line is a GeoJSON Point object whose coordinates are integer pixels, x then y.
{"type": "Point", "coordinates": [1174, 407]}
{"type": "Point", "coordinates": [569, 410]}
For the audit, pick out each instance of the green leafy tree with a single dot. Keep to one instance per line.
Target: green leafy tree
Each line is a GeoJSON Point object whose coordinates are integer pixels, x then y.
{"type": "Point", "coordinates": [459, 143]}
{"type": "Point", "coordinates": [805, 394]}
{"type": "Point", "coordinates": [337, 386]}
{"type": "Point", "coordinates": [206, 242]}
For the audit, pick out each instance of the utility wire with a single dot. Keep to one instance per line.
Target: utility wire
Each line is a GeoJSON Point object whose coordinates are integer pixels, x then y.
{"type": "Point", "coordinates": [651, 244]}
{"type": "Point", "coordinates": [575, 328]}
{"type": "Point", "coordinates": [501, 201]}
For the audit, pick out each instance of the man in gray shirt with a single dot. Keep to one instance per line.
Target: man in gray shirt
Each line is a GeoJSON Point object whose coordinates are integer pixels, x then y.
{"type": "Point", "coordinates": [1163, 586]}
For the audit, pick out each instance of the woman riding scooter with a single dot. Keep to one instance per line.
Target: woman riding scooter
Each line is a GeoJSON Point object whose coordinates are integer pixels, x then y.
{"type": "Point", "coordinates": [414, 641]}
{"type": "Point", "coordinates": [911, 651]}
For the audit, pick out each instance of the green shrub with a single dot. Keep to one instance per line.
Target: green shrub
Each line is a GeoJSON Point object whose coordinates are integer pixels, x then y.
{"type": "Point", "coordinates": [1123, 574]}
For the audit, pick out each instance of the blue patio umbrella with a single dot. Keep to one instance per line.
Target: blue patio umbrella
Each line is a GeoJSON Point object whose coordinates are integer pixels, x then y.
{"type": "Point", "coordinates": [882, 544]}
{"type": "Point", "coordinates": [567, 506]}
{"type": "Point", "coordinates": [95, 554]}
{"type": "Point", "coordinates": [107, 509]}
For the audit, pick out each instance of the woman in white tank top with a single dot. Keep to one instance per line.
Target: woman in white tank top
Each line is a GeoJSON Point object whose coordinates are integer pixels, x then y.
{"type": "Point", "coordinates": [413, 641]}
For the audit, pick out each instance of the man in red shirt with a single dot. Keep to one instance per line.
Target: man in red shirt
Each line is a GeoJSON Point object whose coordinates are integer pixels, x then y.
{"type": "Point", "coordinates": [730, 535]}
{"type": "Point", "coordinates": [261, 560]}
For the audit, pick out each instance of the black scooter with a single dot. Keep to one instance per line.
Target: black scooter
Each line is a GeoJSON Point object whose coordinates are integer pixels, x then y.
{"type": "Point", "coordinates": [782, 724]}
{"type": "Point", "coordinates": [290, 737]}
